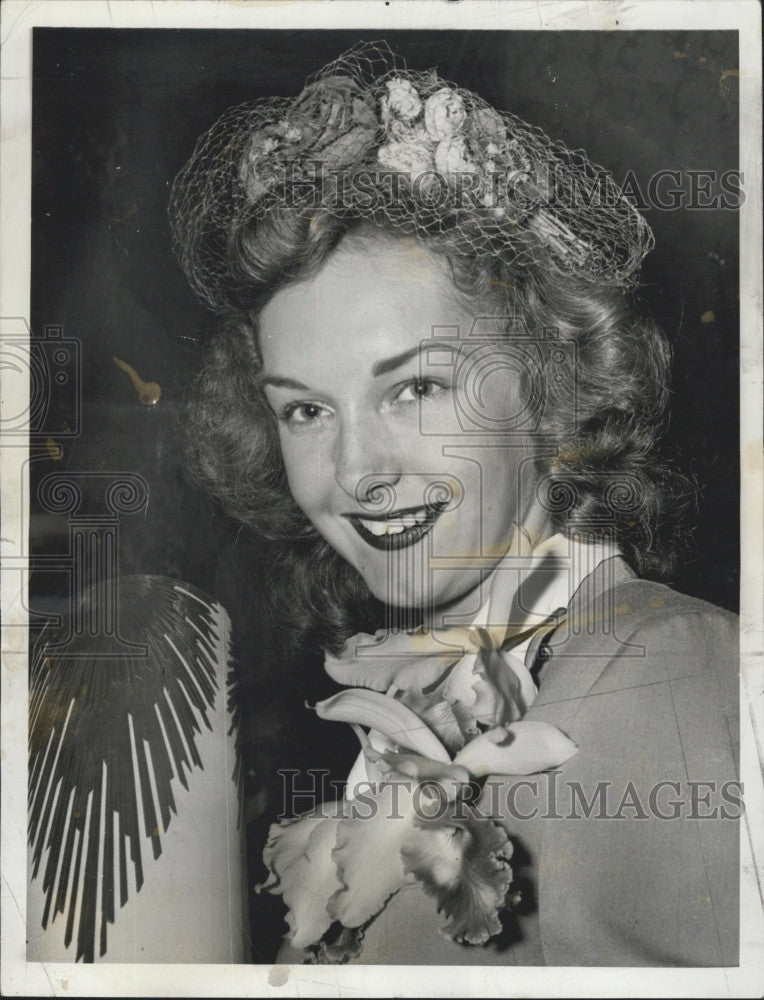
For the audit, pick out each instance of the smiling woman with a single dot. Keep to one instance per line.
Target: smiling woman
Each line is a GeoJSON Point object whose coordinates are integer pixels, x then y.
{"type": "Point", "coordinates": [432, 384]}
{"type": "Point", "coordinates": [351, 427]}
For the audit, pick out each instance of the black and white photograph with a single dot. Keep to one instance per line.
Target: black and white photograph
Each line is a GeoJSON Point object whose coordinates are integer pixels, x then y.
{"type": "Point", "coordinates": [382, 499]}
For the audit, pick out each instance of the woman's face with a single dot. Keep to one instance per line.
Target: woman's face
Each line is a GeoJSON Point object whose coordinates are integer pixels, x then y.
{"type": "Point", "coordinates": [398, 423]}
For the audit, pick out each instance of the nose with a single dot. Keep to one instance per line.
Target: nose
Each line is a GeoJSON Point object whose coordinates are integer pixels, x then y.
{"type": "Point", "coordinates": [367, 464]}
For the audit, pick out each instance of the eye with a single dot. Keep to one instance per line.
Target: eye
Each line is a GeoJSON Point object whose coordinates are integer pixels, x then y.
{"type": "Point", "coordinates": [419, 390]}
{"type": "Point", "coordinates": [299, 415]}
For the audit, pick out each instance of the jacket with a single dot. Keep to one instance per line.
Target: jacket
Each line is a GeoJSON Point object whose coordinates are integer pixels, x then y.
{"type": "Point", "coordinates": [629, 853]}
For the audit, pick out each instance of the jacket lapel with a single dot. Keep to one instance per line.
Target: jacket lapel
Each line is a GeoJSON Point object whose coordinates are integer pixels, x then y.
{"type": "Point", "coordinates": [586, 638]}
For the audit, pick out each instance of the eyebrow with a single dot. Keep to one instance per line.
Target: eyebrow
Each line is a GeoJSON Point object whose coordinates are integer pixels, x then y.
{"type": "Point", "coordinates": [379, 368]}
{"type": "Point", "coordinates": [283, 383]}
{"type": "Point", "coordinates": [390, 364]}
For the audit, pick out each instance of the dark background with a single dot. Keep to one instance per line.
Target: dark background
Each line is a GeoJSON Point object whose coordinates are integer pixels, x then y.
{"type": "Point", "coordinates": [117, 113]}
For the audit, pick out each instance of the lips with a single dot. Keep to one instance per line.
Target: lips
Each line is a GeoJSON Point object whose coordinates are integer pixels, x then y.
{"type": "Point", "coordinates": [397, 529]}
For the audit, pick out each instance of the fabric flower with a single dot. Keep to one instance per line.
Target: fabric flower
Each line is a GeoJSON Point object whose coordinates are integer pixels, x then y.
{"type": "Point", "coordinates": [331, 111]}
{"type": "Point", "coordinates": [332, 121]}
{"type": "Point", "coordinates": [559, 238]}
{"type": "Point", "coordinates": [451, 157]}
{"type": "Point", "coordinates": [401, 101]}
{"type": "Point", "coordinates": [407, 157]}
{"type": "Point", "coordinates": [257, 172]}
{"type": "Point", "coordinates": [444, 114]}
{"type": "Point", "coordinates": [289, 132]}
{"type": "Point", "coordinates": [485, 127]}
{"type": "Point", "coordinates": [411, 133]}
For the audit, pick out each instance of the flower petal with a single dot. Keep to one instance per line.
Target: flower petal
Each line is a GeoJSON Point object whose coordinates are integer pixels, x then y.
{"type": "Point", "coordinates": [406, 157]}
{"type": "Point", "coordinates": [509, 675]}
{"type": "Point", "coordinates": [385, 715]}
{"type": "Point", "coordinates": [367, 854]}
{"type": "Point", "coordinates": [438, 713]}
{"type": "Point", "coordinates": [523, 747]}
{"type": "Point", "coordinates": [394, 765]}
{"type": "Point", "coordinates": [451, 156]}
{"type": "Point", "coordinates": [298, 855]}
{"type": "Point", "coordinates": [475, 701]}
{"type": "Point", "coordinates": [484, 126]}
{"type": "Point", "coordinates": [444, 113]}
{"type": "Point", "coordinates": [403, 100]}
{"type": "Point", "coordinates": [465, 866]}
{"type": "Point", "coordinates": [287, 843]}
{"type": "Point", "coordinates": [349, 148]}
{"type": "Point", "coordinates": [403, 660]}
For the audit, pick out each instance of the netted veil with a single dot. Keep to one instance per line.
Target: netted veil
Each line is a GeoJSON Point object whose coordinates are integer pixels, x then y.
{"type": "Point", "coordinates": [407, 150]}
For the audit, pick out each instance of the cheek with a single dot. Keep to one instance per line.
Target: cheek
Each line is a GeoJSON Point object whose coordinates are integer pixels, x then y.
{"type": "Point", "coordinates": [307, 470]}
{"type": "Point", "coordinates": [296, 471]}
{"type": "Point", "coordinates": [510, 476]}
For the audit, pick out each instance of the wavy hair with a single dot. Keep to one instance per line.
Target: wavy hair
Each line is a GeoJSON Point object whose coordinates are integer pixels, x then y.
{"type": "Point", "coordinates": [604, 419]}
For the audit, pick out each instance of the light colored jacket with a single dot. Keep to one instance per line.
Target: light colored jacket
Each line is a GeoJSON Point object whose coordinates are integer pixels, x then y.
{"type": "Point", "coordinates": [645, 681]}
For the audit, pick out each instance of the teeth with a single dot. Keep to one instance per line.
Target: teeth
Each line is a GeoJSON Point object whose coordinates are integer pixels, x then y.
{"type": "Point", "coordinates": [375, 527]}
{"type": "Point", "coordinates": [406, 521]}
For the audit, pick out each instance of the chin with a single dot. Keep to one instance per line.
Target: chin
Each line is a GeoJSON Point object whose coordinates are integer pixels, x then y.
{"type": "Point", "coordinates": [413, 602]}
{"type": "Point", "coordinates": [403, 595]}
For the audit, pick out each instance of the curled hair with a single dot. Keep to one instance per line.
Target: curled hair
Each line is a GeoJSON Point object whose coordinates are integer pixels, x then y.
{"type": "Point", "coordinates": [603, 421]}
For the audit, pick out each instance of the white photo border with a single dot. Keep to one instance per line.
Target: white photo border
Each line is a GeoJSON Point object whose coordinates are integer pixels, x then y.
{"type": "Point", "coordinates": [19, 978]}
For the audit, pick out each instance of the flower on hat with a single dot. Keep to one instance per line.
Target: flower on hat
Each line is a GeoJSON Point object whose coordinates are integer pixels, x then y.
{"type": "Point", "coordinates": [256, 172]}
{"type": "Point", "coordinates": [401, 101]}
{"type": "Point", "coordinates": [451, 157]}
{"type": "Point", "coordinates": [485, 126]}
{"type": "Point", "coordinates": [444, 114]}
{"type": "Point", "coordinates": [332, 121]}
{"type": "Point", "coordinates": [347, 118]}
{"type": "Point", "coordinates": [407, 157]}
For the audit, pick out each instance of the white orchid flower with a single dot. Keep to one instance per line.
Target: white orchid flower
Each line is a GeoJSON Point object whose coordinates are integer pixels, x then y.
{"type": "Point", "coordinates": [343, 862]}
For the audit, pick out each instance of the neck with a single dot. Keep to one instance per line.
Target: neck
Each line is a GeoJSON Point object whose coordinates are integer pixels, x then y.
{"type": "Point", "coordinates": [525, 537]}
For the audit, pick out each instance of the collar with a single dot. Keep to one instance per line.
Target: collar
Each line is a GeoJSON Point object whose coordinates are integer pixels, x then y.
{"type": "Point", "coordinates": [527, 588]}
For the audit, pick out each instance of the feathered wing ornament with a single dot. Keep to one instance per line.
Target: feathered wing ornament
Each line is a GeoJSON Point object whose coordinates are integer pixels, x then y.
{"type": "Point", "coordinates": [134, 823]}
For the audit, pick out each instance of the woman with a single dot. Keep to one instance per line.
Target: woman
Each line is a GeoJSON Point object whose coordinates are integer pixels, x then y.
{"type": "Point", "coordinates": [431, 383]}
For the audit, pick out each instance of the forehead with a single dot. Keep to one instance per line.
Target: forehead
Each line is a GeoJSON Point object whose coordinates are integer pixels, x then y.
{"type": "Point", "coordinates": [369, 301]}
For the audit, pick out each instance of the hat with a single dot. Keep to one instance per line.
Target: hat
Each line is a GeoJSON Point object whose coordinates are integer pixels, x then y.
{"type": "Point", "coordinates": [367, 138]}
